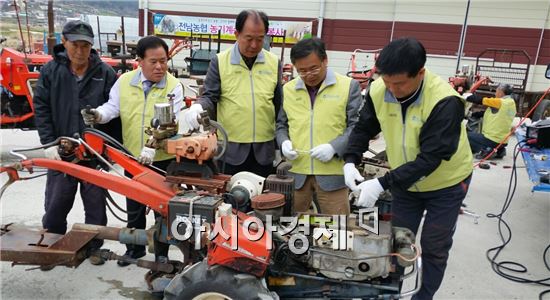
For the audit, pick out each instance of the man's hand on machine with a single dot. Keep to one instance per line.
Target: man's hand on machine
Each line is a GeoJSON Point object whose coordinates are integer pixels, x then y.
{"type": "Point", "coordinates": [52, 153]}
{"type": "Point", "coordinates": [367, 192]}
{"type": "Point", "coordinates": [146, 156]}
{"type": "Point", "coordinates": [91, 116]}
{"type": "Point", "coordinates": [192, 114]}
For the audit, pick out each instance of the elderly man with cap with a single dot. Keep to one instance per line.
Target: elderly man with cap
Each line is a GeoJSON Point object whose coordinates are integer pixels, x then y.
{"type": "Point", "coordinates": [75, 78]}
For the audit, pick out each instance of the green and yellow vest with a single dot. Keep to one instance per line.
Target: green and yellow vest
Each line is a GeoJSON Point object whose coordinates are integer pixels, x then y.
{"type": "Point", "coordinates": [496, 125]}
{"type": "Point", "coordinates": [402, 138]}
{"type": "Point", "coordinates": [136, 111]}
{"type": "Point", "coordinates": [310, 127]}
{"type": "Point", "coordinates": [245, 108]}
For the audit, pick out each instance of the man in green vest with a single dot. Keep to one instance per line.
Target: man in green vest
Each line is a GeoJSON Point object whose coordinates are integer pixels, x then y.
{"type": "Point", "coordinates": [420, 116]}
{"type": "Point", "coordinates": [497, 120]}
{"type": "Point", "coordinates": [319, 112]}
{"type": "Point", "coordinates": [133, 98]}
{"type": "Point", "coordinates": [243, 87]}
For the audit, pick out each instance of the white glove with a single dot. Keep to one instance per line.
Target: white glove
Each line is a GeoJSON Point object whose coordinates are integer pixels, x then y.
{"type": "Point", "coordinates": [286, 148]}
{"type": "Point", "coordinates": [91, 118]}
{"type": "Point", "coordinates": [192, 114]}
{"type": "Point", "coordinates": [370, 191]}
{"type": "Point", "coordinates": [147, 155]}
{"type": "Point", "coordinates": [351, 175]}
{"type": "Point", "coordinates": [52, 153]}
{"type": "Point", "coordinates": [323, 152]}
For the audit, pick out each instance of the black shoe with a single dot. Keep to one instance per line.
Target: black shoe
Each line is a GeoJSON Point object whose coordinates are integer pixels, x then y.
{"type": "Point", "coordinates": [501, 153]}
{"type": "Point", "coordinates": [95, 257]}
{"type": "Point", "coordinates": [46, 268]}
{"type": "Point", "coordinates": [483, 153]}
{"type": "Point", "coordinates": [135, 254]}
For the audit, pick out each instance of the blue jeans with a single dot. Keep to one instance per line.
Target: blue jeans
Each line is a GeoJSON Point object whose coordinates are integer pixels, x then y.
{"type": "Point", "coordinates": [479, 142]}
{"type": "Point", "coordinates": [442, 208]}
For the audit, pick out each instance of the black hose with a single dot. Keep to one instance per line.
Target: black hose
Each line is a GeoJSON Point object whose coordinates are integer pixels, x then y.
{"type": "Point", "coordinates": [503, 268]}
{"type": "Point", "coordinates": [109, 139]}
{"type": "Point", "coordinates": [136, 212]}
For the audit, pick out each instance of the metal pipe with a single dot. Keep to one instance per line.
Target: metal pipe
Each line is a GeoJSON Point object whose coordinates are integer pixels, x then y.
{"type": "Point", "coordinates": [51, 29]}
{"type": "Point", "coordinates": [542, 33]}
{"type": "Point", "coordinates": [123, 36]}
{"type": "Point", "coordinates": [146, 18]}
{"type": "Point", "coordinates": [462, 37]}
{"type": "Point", "coordinates": [20, 30]}
{"type": "Point", "coordinates": [31, 48]}
{"type": "Point", "coordinates": [321, 17]}
{"type": "Point", "coordinates": [99, 36]}
{"type": "Point", "coordinates": [129, 236]}
{"type": "Point", "coordinates": [393, 21]}
{"type": "Point", "coordinates": [418, 281]}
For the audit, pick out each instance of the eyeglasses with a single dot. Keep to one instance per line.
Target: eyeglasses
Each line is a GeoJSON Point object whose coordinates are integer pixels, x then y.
{"type": "Point", "coordinates": [313, 71]}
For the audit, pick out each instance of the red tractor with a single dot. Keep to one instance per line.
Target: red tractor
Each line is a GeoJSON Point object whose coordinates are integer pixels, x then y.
{"type": "Point", "coordinates": [238, 234]}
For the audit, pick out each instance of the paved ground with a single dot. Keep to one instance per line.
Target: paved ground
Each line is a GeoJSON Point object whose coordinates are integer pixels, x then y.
{"type": "Point", "coordinates": [469, 275]}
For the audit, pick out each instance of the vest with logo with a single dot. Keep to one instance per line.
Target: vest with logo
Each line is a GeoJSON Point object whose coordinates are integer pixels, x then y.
{"type": "Point", "coordinates": [136, 111]}
{"type": "Point", "coordinates": [496, 125]}
{"type": "Point", "coordinates": [402, 138]}
{"type": "Point", "coordinates": [246, 108]}
{"type": "Point", "coordinates": [310, 127]}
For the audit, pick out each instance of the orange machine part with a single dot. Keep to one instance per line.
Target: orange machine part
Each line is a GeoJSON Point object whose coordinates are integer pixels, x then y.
{"type": "Point", "coordinates": [199, 147]}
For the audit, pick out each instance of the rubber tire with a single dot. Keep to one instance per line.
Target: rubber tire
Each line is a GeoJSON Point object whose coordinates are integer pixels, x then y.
{"type": "Point", "coordinates": [200, 279]}
{"type": "Point", "coordinates": [542, 111]}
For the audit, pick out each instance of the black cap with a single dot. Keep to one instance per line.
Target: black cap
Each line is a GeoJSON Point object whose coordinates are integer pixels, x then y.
{"type": "Point", "coordinates": [78, 31]}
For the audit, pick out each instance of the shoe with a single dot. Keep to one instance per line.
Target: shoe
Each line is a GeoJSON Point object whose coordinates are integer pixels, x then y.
{"type": "Point", "coordinates": [135, 254]}
{"type": "Point", "coordinates": [95, 257]}
{"type": "Point", "coordinates": [501, 153]}
{"type": "Point", "coordinates": [483, 153]}
{"type": "Point", "coordinates": [46, 268]}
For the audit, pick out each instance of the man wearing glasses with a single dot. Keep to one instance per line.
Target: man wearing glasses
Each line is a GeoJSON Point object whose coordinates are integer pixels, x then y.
{"type": "Point", "coordinates": [318, 114]}
{"type": "Point", "coordinates": [243, 87]}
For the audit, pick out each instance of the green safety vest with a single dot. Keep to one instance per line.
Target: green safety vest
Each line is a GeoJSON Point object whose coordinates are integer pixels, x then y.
{"type": "Point", "coordinates": [402, 140]}
{"type": "Point", "coordinates": [245, 108]}
{"type": "Point", "coordinates": [136, 111]}
{"type": "Point", "coordinates": [310, 127]}
{"type": "Point", "coordinates": [496, 125]}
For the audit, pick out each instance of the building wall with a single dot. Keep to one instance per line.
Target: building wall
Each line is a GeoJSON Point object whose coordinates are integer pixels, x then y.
{"type": "Point", "coordinates": [371, 24]}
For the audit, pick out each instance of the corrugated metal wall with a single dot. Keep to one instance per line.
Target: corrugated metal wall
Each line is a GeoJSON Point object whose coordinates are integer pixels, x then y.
{"type": "Point", "coordinates": [368, 24]}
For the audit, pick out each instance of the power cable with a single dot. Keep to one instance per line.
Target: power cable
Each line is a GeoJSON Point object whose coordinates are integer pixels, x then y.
{"type": "Point", "coordinates": [504, 268]}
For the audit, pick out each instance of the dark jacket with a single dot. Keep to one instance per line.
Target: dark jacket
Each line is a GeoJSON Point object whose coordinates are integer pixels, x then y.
{"type": "Point", "coordinates": [59, 96]}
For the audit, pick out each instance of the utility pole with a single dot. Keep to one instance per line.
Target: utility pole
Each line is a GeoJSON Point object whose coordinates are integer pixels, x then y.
{"type": "Point", "coordinates": [51, 29]}
{"type": "Point", "coordinates": [31, 47]}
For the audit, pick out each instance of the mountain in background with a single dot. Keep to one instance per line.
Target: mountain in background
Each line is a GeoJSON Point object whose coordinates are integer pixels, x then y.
{"type": "Point", "coordinates": [126, 8]}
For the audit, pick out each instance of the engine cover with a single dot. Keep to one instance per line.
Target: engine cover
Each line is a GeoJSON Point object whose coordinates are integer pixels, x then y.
{"type": "Point", "coordinates": [354, 264]}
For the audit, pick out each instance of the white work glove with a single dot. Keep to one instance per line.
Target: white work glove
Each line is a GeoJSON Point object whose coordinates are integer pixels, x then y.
{"type": "Point", "coordinates": [466, 95]}
{"type": "Point", "coordinates": [323, 152]}
{"type": "Point", "coordinates": [146, 156]}
{"type": "Point", "coordinates": [286, 148]}
{"type": "Point", "coordinates": [91, 118]}
{"type": "Point", "coordinates": [351, 175]}
{"type": "Point", "coordinates": [52, 153]}
{"type": "Point", "coordinates": [370, 190]}
{"type": "Point", "coordinates": [192, 114]}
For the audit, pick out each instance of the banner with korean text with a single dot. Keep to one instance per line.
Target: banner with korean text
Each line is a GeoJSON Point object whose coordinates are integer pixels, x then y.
{"type": "Point", "coordinates": [185, 25]}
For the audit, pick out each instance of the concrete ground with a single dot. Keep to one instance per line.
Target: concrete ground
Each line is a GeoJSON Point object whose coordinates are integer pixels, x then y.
{"type": "Point", "coordinates": [468, 276]}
